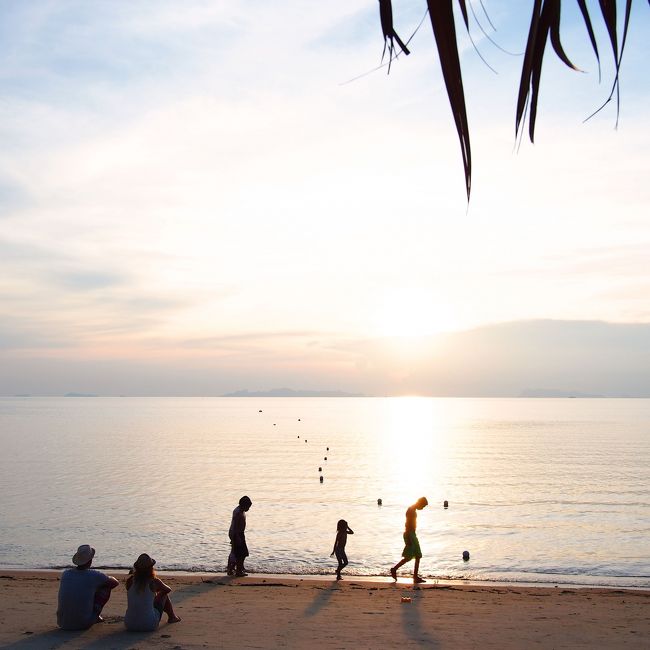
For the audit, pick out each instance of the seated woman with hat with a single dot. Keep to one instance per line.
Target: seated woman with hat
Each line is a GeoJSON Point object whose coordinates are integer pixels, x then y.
{"type": "Point", "coordinates": [147, 597]}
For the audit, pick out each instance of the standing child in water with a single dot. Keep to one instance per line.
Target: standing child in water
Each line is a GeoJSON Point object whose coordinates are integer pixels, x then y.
{"type": "Point", "coordinates": [342, 532]}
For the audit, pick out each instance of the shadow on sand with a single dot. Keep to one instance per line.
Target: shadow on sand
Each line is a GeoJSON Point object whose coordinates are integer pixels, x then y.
{"type": "Point", "coordinates": [321, 599]}
{"type": "Point", "coordinates": [111, 633]}
{"type": "Point", "coordinates": [412, 621]}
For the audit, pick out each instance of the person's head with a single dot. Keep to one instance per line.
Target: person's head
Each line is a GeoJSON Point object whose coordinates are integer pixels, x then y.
{"type": "Point", "coordinates": [83, 558]}
{"type": "Point", "coordinates": [342, 525]}
{"type": "Point", "coordinates": [421, 503]}
{"type": "Point", "coordinates": [245, 503]}
{"type": "Point", "coordinates": [143, 571]}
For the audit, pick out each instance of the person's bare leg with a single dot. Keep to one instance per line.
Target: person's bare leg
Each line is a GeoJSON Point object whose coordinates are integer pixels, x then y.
{"type": "Point", "coordinates": [240, 571]}
{"type": "Point", "coordinates": [416, 577]}
{"type": "Point", "coordinates": [168, 608]}
{"type": "Point", "coordinates": [393, 571]}
{"type": "Point", "coordinates": [101, 598]}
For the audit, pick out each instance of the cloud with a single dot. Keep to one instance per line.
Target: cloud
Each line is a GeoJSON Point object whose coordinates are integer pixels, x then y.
{"type": "Point", "coordinates": [179, 182]}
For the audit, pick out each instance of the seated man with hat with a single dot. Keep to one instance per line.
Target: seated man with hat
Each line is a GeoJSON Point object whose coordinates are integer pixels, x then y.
{"type": "Point", "coordinates": [83, 592]}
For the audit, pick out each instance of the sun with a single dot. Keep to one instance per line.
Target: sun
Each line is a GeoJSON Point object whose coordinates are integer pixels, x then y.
{"type": "Point", "coordinates": [412, 313]}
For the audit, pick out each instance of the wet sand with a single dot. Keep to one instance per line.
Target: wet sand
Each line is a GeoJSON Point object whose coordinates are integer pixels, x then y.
{"type": "Point", "coordinates": [287, 612]}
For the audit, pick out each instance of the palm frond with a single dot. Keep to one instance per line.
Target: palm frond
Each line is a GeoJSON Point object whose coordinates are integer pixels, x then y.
{"type": "Point", "coordinates": [444, 30]}
{"type": "Point", "coordinates": [544, 26]}
{"type": "Point", "coordinates": [390, 35]}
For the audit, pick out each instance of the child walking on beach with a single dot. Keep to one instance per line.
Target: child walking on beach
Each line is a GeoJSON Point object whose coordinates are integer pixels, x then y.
{"type": "Point", "coordinates": [342, 532]}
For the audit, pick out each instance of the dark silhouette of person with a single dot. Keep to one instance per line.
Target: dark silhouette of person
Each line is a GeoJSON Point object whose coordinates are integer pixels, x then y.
{"type": "Point", "coordinates": [342, 532]}
{"type": "Point", "coordinates": [411, 544]}
{"type": "Point", "coordinates": [237, 535]}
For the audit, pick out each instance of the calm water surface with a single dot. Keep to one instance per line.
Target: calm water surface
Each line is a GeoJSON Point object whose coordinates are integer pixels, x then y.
{"type": "Point", "coordinates": [539, 490]}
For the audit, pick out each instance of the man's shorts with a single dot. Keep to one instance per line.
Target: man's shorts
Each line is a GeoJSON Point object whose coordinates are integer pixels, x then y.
{"type": "Point", "coordinates": [411, 546]}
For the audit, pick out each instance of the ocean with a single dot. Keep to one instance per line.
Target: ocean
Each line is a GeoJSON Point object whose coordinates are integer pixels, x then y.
{"type": "Point", "coordinates": [539, 490]}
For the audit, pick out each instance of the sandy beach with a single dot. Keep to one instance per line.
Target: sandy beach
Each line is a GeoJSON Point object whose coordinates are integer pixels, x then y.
{"type": "Point", "coordinates": [275, 612]}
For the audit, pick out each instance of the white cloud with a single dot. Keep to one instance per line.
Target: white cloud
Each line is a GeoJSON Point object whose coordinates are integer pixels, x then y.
{"type": "Point", "coordinates": [211, 160]}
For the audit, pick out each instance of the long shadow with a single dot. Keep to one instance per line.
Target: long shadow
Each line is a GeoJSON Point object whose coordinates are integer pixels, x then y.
{"type": "Point", "coordinates": [100, 637]}
{"type": "Point", "coordinates": [321, 599]}
{"type": "Point", "coordinates": [54, 638]}
{"type": "Point", "coordinates": [412, 622]}
{"type": "Point", "coordinates": [123, 638]}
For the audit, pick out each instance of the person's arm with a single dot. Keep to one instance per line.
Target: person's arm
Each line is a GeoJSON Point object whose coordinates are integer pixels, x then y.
{"type": "Point", "coordinates": [350, 531]}
{"type": "Point", "coordinates": [238, 526]}
{"type": "Point", "coordinates": [336, 543]}
{"type": "Point", "coordinates": [159, 586]}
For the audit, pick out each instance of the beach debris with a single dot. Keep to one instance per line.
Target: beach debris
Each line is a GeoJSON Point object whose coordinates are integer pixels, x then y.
{"type": "Point", "coordinates": [379, 502]}
{"type": "Point", "coordinates": [406, 599]}
{"type": "Point", "coordinates": [466, 556]}
{"type": "Point", "coordinates": [445, 504]}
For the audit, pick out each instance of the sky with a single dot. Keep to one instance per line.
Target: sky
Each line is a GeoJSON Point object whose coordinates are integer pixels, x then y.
{"type": "Point", "coordinates": [203, 196]}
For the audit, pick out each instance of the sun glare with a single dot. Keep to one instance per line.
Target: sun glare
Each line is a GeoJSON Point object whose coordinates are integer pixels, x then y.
{"type": "Point", "coordinates": [412, 313]}
{"type": "Point", "coordinates": [411, 438]}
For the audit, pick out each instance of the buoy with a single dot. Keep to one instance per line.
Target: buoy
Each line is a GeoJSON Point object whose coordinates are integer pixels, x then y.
{"type": "Point", "coordinates": [298, 419]}
{"type": "Point", "coordinates": [379, 502]}
{"type": "Point", "coordinates": [445, 504]}
{"type": "Point", "coordinates": [299, 436]}
{"type": "Point", "coordinates": [274, 424]}
{"type": "Point", "coordinates": [305, 439]}
{"type": "Point", "coordinates": [320, 469]}
{"type": "Point", "coordinates": [466, 556]}
{"type": "Point", "coordinates": [260, 411]}
{"type": "Point", "coordinates": [321, 479]}
{"type": "Point", "coordinates": [325, 458]}
{"type": "Point", "coordinates": [328, 449]}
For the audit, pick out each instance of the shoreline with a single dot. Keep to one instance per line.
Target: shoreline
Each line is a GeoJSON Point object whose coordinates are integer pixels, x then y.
{"type": "Point", "coordinates": [370, 579]}
{"type": "Point", "coordinates": [261, 611]}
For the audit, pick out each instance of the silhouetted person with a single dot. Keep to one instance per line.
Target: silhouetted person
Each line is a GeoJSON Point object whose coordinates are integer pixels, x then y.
{"type": "Point", "coordinates": [237, 536]}
{"type": "Point", "coordinates": [342, 532]}
{"type": "Point", "coordinates": [83, 592]}
{"type": "Point", "coordinates": [411, 544]}
{"type": "Point", "coordinates": [147, 597]}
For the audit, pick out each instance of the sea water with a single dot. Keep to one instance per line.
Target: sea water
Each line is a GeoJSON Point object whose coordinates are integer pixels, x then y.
{"type": "Point", "coordinates": [539, 490]}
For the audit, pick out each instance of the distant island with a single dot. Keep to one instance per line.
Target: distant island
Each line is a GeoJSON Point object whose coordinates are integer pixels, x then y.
{"type": "Point", "coordinates": [552, 392]}
{"type": "Point", "coordinates": [289, 392]}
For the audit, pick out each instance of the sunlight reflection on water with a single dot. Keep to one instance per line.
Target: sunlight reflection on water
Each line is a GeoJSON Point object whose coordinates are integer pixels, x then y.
{"type": "Point", "coordinates": [538, 489]}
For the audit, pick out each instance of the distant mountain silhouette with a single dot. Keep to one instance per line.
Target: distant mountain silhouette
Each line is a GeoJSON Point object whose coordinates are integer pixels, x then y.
{"type": "Point", "coordinates": [553, 392]}
{"type": "Point", "coordinates": [80, 395]}
{"type": "Point", "coordinates": [289, 392]}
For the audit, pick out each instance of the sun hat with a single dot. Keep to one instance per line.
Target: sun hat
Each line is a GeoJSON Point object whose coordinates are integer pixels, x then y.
{"type": "Point", "coordinates": [143, 562]}
{"type": "Point", "coordinates": [84, 554]}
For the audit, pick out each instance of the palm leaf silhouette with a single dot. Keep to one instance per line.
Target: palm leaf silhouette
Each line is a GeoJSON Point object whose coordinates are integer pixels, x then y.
{"type": "Point", "coordinates": [544, 26]}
